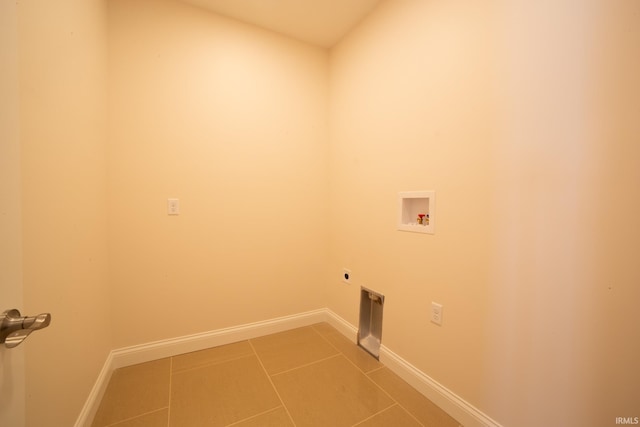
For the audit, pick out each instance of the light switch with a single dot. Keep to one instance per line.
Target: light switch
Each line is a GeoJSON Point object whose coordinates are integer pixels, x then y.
{"type": "Point", "coordinates": [173, 206]}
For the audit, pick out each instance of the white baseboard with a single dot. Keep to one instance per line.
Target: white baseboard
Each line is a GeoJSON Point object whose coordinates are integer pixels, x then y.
{"type": "Point", "coordinates": [457, 407]}
{"type": "Point", "coordinates": [95, 396]}
{"type": "Point", "coordinates": [344, 327]}
{"type": "Point", "coordinates": [465, 413]}
{"type": "Point", "coordinates": [132, 355]}
{"type": "Point", "coordinates": [171, 347]}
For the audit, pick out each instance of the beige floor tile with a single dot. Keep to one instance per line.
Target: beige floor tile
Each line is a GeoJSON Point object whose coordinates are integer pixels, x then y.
{"type": "Point", "coordinates": [276, 418]}
{"type": "Point", "coordinates": [290, 349]}
{"type": "Point", "coordinates": [134, 390]}
{"type": "Point", "coordinates": [409, 398]}
{"type": "Point", "coordinates": [355, 354]}
{"type": "Point", "coordinates": [221, 394]}
{"type": "Point", "coordinates": [319, 374]}
{"type": "Point", "coordinates": [210, 356]}
{"type": "Point", "coordinates": [324, 328]}
{"type": "Point", "coordinates": [155, 419]}
{"type": "Point", "coordinates": [331, 392]}
{"type": "Point", "coordinates": [394, 416]}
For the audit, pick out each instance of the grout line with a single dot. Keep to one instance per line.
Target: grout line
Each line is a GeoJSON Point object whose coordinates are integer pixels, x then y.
{"type": "Point", "coordinates": [256, 415]}
{"type": "Point", "coordinates": [133, 418]}
{"type": "Point", "coordinates": [391, 397]}
{"type": "Point", "coordinates": [309, 364]}
{"type": "Point", "coordinates": [376, 369]}
{"type": "Point", "coordinates": [366, 374]}
{"type": "Point", "coordinates": [358, 367]}
{"type": "Point", "coordinates": [345, 355]}
{"type": "Point", "coordinates": [326, 339]}
{"type": "Point", "coordinates": [272, 384]}
{"type": "Point", "coordinates": [208, 365]}
{"type": "Point", "coordinates": [170, 385]}
{"type": "Point", "coordinates": [269, 376]}
{"type": "Point", "coordinates": [377, 413]}
{"type": "Point", "coordinates": [411, 415]}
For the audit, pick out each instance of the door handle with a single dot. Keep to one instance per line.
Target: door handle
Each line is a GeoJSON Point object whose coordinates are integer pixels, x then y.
{"type": "Point", "coordinates": [14, 327]}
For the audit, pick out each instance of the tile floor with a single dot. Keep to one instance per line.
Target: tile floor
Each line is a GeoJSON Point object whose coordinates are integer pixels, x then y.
{"type": "Point", "coordinates": [311, 376]}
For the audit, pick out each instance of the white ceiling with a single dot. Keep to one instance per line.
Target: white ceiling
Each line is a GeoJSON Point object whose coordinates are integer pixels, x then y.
{"type": "Point", "coordinates": [319, 22]}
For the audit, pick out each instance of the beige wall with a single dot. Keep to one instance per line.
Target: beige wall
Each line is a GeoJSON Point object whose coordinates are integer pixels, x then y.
{"type": "Point", "coordinates": [12, 389]}
{"type": "Point", "coordinates": [10, 175]}
{"type": "Point", "coordinates": [520, 116]}
{"type": "Point", "coordinates": [231, 120]}
{"type": "Point", "coordinates": [62, 51]}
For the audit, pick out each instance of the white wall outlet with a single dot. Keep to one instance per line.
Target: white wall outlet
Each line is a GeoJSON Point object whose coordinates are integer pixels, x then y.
{"type": "Point", "coordinates": [173, 206]}
{"type": "Point", "coordinates": [346, 276]}
{"type": "Point", "coordinates": [436, 313]}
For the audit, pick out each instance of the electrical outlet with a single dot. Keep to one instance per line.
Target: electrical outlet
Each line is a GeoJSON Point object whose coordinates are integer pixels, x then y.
{"type": "Point", "coordinates": [436, 313]}
{"type": "Point", "coordinates": [346, 276]}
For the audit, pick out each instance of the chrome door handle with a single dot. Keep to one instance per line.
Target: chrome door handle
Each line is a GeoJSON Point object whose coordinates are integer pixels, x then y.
{"type": "Point", "coordinates": [14, 328]}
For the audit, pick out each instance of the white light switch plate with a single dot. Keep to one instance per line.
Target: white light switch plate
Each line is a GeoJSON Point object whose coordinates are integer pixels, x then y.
{"type": "Point", "coordinates": [173, 206]}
